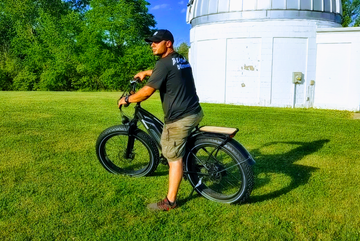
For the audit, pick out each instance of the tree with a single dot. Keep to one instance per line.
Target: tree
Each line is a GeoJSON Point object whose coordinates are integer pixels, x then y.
{"type": "Point", "coordinates": [25, 53]}
{"type": "Point", "coordinates": [183, 49]}
{"type": "Point", "coordinates": [112, 42]}
{"type": "Point", "coordinates": [78, 5]}
{"type": "Point", "coordinates": [351, 13]}
{"type": "Point", "coordinates": [72, 44]}
{"type": "Point", "coordinates": [6, 33]}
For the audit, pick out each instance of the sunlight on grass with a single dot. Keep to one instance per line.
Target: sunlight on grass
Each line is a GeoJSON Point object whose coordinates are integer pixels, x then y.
{"type": "Point", "coordinates": [52, 187]}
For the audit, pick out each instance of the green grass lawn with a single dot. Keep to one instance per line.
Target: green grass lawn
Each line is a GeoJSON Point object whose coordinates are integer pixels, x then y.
{"type": "Point", "coordinates": [52, 187]}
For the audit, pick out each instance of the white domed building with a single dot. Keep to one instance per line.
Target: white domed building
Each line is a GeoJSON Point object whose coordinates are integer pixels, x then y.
{"type": "Point", "coordinates": [284, 53]}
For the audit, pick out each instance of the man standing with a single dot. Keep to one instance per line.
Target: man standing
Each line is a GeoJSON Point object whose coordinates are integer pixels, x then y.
{"type": "Point", "coordinates": [172, 76]}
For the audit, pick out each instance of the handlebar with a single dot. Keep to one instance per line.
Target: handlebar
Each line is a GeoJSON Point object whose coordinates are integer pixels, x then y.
{"type": "Point", "coordinates": [131, 90]}
{"type": "Point", "coordinates": [133, 85]}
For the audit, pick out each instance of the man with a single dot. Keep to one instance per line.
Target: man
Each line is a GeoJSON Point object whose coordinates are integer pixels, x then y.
{"type": "Point", "coordinates": [172, 76]}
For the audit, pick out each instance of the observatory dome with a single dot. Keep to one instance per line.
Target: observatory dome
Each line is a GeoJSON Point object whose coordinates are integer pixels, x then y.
{"type": "Point", "coordinates": [258, 52]}
{"type": "Point", "coordinates": [210, 11]}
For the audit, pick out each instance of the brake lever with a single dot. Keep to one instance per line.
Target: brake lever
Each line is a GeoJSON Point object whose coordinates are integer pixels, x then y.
{"type": "Point", "coordinates": [136, 80]}
{"type": "Point", "coordinates": [133, 83]}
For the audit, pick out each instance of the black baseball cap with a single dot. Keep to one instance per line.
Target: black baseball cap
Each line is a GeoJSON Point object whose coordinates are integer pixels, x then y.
{"type": "Point", "coordinates": [161, 35]}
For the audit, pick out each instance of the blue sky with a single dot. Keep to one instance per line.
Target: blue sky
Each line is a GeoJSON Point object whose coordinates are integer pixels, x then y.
{"type": "Point", "coordinates": [171, 15]}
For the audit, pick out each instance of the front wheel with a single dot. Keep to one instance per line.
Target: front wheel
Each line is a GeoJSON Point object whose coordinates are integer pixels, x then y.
{"type": "Point", "coordinates": [135, 155]}
{"type": "Point", "coordinates": [220, 174]}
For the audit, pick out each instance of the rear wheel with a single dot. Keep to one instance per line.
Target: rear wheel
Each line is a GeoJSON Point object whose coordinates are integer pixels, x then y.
{"type": "Point", "coordinates": [140, 158]}
{"type": "Point", "coordinates": [219, 174]}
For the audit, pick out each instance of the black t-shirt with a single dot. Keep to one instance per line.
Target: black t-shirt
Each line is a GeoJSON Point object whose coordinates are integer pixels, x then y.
{"type": "Point", "coordinates": [172, 75]}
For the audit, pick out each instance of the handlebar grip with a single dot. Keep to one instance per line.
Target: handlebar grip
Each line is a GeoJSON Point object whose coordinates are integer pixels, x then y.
{"type": "Point", "coordinates": [136, 80]}
{"type": "Point", "coordinates": [125, 105]}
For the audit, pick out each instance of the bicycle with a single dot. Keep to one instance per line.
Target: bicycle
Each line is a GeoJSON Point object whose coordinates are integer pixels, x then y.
{"type": "Point", "coordinates": [218, 167]}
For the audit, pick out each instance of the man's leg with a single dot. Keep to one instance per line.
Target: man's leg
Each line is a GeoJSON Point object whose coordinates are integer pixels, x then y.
{"type": "Point", "coordinates": [173, 140]}
{"type": "Point", "coordinates": [175, 176]}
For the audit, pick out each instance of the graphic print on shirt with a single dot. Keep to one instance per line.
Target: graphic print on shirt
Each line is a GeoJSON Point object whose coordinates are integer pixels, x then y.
{"type": "Point", "coordinates": [181, 63]}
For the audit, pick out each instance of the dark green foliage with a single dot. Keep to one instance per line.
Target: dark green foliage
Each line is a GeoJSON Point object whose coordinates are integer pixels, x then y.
{"type": "Point", "coordinates": [73, 45]}
{"type": "Point", "coordinates": [351, 13]}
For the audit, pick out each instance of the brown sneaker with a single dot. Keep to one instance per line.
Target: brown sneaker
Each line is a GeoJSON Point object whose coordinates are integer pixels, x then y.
{"type": "Point", "coordinates": [163, 205]}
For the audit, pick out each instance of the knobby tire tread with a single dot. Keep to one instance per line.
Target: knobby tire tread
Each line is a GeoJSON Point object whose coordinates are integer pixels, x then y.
{"type": "Point", "coordinates": [140, 135]}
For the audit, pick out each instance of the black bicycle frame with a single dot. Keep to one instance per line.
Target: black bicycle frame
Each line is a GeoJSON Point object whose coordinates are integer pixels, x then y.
{"type": "Point", "coordinates": [155, 127]}
{"type": "Point", "coordinates": [152, 124]}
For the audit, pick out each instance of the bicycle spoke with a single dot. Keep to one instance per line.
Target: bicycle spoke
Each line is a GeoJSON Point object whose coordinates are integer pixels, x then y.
{"type": "Point", "coordinates": [229, 168]}
{"type": "Point", "coordinates": [199, 160]}
{"type": "Point", "coordinates": [210, 154]}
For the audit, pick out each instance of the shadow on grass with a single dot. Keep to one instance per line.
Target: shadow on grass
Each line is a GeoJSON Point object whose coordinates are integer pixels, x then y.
{"type": "Point", "coordinates": [278, 164]}
{"type": "Point", "coordinates": [283, 163]}
{"type": "Point", "coordinates": [159, 174]}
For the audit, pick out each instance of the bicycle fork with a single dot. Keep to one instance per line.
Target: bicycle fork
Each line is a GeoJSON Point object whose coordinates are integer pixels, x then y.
{"type": "Point", "coordinates": [131, 140]}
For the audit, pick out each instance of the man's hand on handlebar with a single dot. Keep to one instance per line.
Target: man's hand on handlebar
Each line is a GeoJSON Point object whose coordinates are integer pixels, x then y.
{"type": "Point", "coordinates": [122, 102]}
{"type": "Point", "coordinates": [144, 93]}
{"type": "Point", "coordinates": [143, 74]}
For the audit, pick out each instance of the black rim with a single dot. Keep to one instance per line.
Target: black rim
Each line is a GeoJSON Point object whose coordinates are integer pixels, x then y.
{"type": "Point", "coordinates": [114, 151]}
{"type": "Point", "coordinates": [220, 177]}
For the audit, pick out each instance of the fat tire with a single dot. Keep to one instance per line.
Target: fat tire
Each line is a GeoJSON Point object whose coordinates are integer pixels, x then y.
{"type": "Point", "coordinates": [235, 166]}
{"type": "Point", "coordinates": [111, 154]}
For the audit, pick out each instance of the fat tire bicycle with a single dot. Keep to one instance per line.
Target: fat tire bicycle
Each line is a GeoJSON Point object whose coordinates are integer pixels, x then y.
{"type": "Point", "coordinates": [218, 167]}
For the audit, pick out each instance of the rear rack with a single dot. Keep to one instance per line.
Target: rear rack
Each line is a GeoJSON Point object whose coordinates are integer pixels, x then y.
{"type": "Point", "coordinates": [219, 130]}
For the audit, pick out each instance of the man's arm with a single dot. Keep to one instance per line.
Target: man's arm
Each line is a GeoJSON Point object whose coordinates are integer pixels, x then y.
{"type": "Point", "coordinates": [144, 93]}
{"type": "Point", "coordinates": [143, 74]}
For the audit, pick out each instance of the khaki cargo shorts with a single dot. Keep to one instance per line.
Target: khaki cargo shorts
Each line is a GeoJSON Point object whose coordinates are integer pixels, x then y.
{"type": "Point", "coordinates": [174, 136]}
